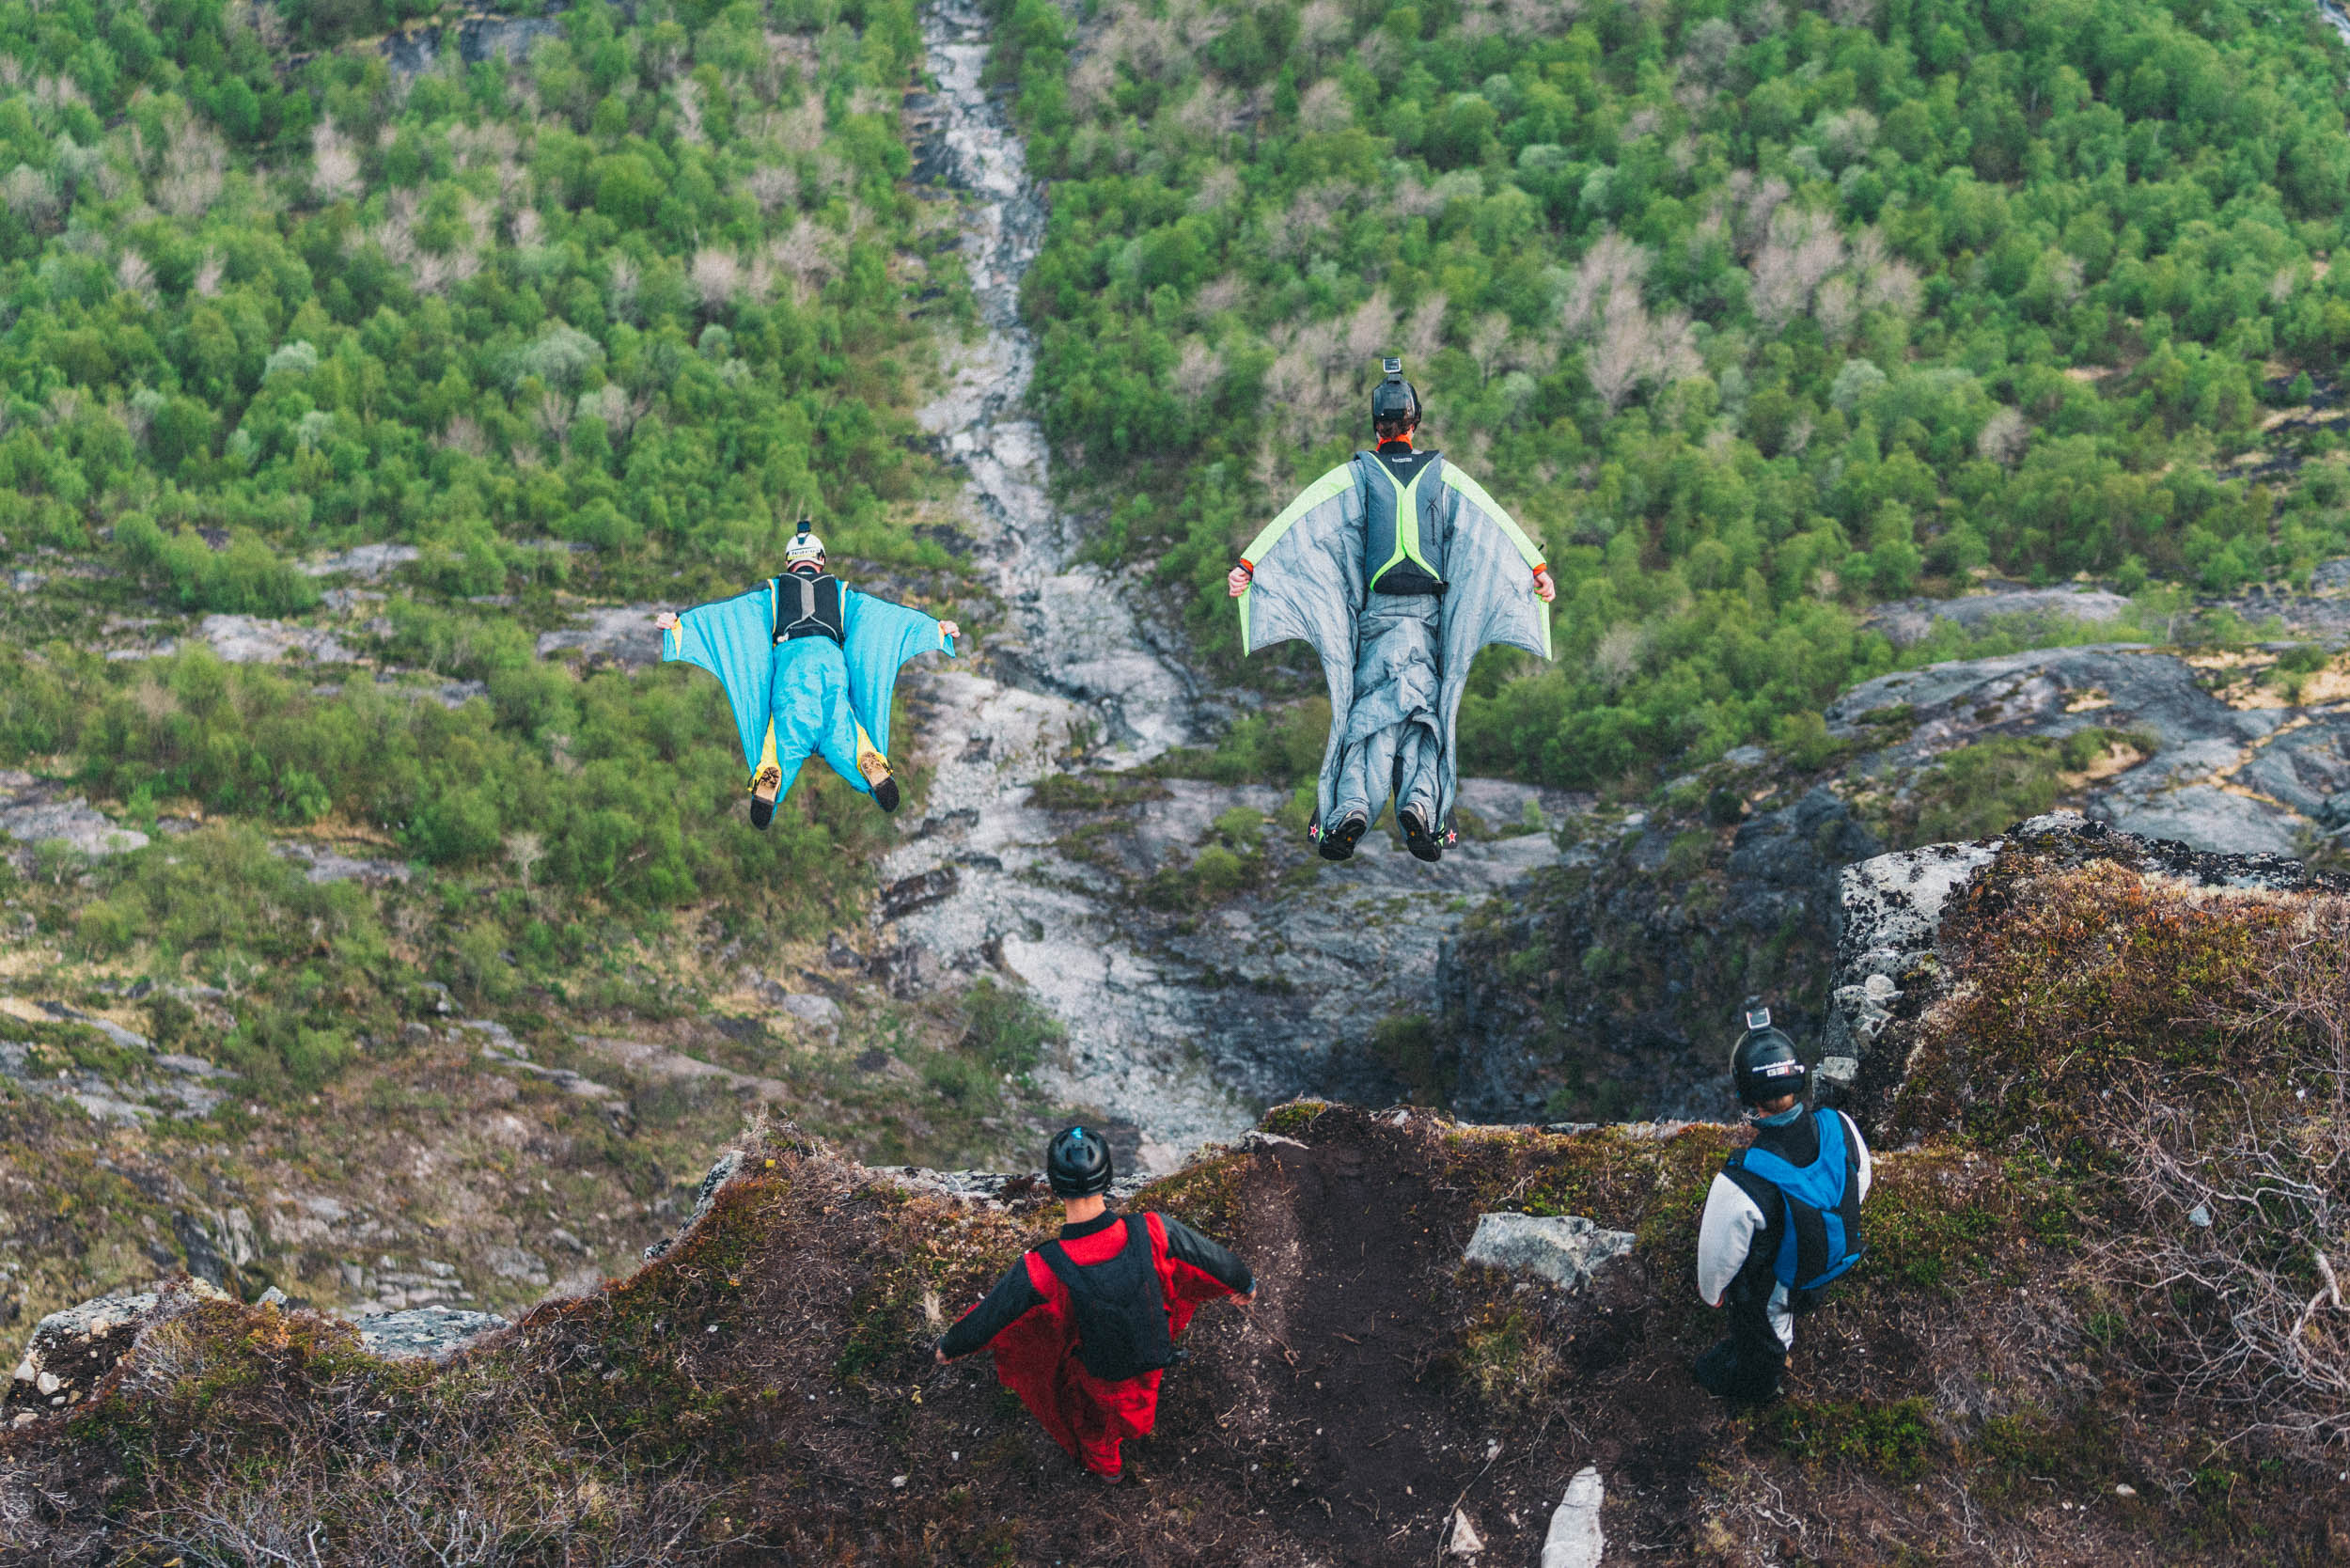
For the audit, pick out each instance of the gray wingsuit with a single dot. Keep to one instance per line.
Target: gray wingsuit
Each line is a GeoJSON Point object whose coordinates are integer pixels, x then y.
{"type": "Point", "coordinates": [1397, 567]}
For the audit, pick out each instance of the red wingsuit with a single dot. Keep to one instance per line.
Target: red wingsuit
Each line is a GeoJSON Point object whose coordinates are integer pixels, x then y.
{"type": "Point", "coordinates": [1029, 1320]}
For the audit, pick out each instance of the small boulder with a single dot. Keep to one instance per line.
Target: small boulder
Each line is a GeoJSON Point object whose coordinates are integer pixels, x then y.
{"type": "Point", "coordinates": [1465, 1542]}
{"type": "Point", "coordinates": [820, 1012]}
{"type": "Point", "coordinates": [424, 1333]}
{"type": "Point", "coordinates": [1565, 1250]}
{"type": "Point", "coordinates": [1576, 1540]}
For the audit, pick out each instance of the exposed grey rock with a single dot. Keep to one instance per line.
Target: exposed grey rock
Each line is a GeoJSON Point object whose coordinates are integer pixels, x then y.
{"type": "Point", "coordinates": [364, 561]}
{"type": "Point", "coordinates": [1565, 1250]}
{"type": "Point", "coordinates": [130, 1040]}
{"type": "Point", "coordinates": [1897, 910]}
{"type": "Point", "coordinates": [424, 1333]}
{"type": "Point", "coordinates": [2230, 780]}
{"type": "Point", "coordinates": [171, 1084]}
{"type": "Point", "coordinates": [499, 1045]}
{"type": "Point", "coordinates": [1913, 619]}
{"type": "Point", "coordinates": [1575, 1538]}
{"type": "Point", "coordinates": [245, 640]}
{"type": "Point", "coordinates": [515, 1262]}
{"type": "Point", "coordinates": [506, 39]}
{"type": "Point", "coordinates": [2214, 819]}
{"type": "Point", "coordinates": [645, 1060]}
{"type": "Point", "coordinates": [322, 864]}
{"type": "Point", "coordinates": [1891, 909]}
{"type": "Point", "coordinates": [35, 812]}
{"type": "Point", "coordinates": [996, 1186]}
{"type": "Point", "coordinates": [820, 1012]}
{"type": "Point", "coordinates": [728, 1163]}
{"type": "Point", "coordinates": [623, 633]}
{"type": "Point", "coordinates": [72, 1351]}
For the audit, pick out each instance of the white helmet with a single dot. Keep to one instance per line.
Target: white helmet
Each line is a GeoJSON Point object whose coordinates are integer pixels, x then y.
{"type": "Point", "coordinates": [805, 546]}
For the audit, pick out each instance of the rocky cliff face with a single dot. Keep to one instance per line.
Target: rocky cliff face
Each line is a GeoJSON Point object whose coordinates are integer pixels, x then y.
{"type": "Point", "coordinates": [1905, 919]}
{"type": "Point", "coordinates": [2232, 766]}
{"type": "Point", "coordinates": [1606, 984]}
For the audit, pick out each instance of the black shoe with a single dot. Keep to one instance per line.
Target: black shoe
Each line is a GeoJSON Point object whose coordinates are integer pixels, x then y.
{"type": "Point", "coordinates": [1339, 843]}
{"type": "Point", "coordinates": [1417, 838]}
{"type": "Point", "coordinates": [762, 812]}
{"type": "Point", "coordinates": [1720, 1372]}
{"type": "Point", "coordinates": [885, 794]}
{"type": "Point", "coordinates": [1717, 1369]}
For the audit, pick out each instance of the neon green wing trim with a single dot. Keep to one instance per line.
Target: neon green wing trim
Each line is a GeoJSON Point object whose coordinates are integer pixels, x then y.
{"type": "Point", "coordinates": [1474, 492]}
{"type": "Point", "coordinates": [1335, 483]}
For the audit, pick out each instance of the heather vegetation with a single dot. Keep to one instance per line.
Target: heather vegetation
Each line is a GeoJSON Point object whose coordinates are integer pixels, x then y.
{"type": "Point", "coordinates": [2099, 1308]}
{"type": "Point", "coordinates": [1754, 313]}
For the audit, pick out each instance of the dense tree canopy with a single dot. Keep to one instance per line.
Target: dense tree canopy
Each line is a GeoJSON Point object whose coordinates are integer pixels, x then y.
{"type": "Point", "coordinates": [634, 291]}
{"type": "Point", "coordinates": [1754, 314]}
{"type": "Point", "coordinates": [606, 310]}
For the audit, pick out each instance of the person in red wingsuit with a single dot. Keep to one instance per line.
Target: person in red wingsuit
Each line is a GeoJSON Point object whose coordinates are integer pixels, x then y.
{"type": "Point", "coordinates": [1083, 1327]}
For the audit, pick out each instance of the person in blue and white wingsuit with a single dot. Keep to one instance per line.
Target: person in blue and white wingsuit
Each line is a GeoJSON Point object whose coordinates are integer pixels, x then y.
{"type": "Point", "coordinates": [809, 666]}
{"type": "Point", "coordinates": [1397, 567]}
{"type": "Point", "coordinates": [1782, 1220]}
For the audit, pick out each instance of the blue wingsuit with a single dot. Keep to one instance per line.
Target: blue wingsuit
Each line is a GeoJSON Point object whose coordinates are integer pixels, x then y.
{"type": "Point", "coordinates": [808, 695]}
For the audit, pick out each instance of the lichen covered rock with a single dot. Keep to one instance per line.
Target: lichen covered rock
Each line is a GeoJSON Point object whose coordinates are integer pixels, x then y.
{"type": "Point", "coordinates": [1565, 1250]}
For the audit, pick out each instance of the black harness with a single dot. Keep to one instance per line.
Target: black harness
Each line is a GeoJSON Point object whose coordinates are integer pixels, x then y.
{"type": "Point", "coordinates": [808, 607]}
{"type": "Point", "coordinates": [1121, 1310]}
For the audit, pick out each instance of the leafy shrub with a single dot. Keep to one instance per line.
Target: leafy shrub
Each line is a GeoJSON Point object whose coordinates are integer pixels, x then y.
{"type": "Point", "coordinates": [1006, 1028]}
{"type": "Point", "coordinates": [1980, 789]}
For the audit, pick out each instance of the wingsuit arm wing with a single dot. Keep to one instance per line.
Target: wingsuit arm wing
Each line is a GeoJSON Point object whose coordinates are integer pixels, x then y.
{"type": "Point", "coordinates": [878, 638]}
{"type": "Point", "coordinates": [1305, 582]}
{"type": "Point", "coordinates": [734, 640]}
{"type": "Point", "coordinates": [1490, 564]}
{"type": "Point", "coordinates": [1014, 1296]}
{"type": "Point", "coordinates": [1492, 561]}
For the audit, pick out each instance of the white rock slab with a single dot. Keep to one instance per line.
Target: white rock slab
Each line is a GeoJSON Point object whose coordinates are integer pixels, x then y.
{"type": "Point", "coordinates": [1565, 1250]}
{"type": "Point", "coordinates": [1576, 1540]}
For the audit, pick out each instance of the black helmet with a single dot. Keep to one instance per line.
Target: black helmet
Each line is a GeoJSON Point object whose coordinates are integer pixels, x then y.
{"type": "Point", "coordinates": [1077, 1163]}
{"type": "Point", "coordinates": [1394, 399]}
{"type": "Point", "coordinates": [1765, 1066]}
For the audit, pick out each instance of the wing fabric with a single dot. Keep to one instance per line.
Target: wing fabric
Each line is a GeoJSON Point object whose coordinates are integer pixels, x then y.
{"type": "Point", "coordinates": [1307, 583]}
{"type": "Point", "coordinates": [734, 639]}
{"type": "Point", "coordinates": [1489, 565]}
{"type": "Point", "coordinates": [879, 638]}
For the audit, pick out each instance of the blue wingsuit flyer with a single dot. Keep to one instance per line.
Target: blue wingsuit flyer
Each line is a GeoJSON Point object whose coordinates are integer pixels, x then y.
{"type": "Point", "coordinates": [809, 666]}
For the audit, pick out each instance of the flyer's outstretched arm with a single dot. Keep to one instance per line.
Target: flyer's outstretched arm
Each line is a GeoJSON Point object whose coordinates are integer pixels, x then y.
{"type": "Point", "coordinates": [734, 640]}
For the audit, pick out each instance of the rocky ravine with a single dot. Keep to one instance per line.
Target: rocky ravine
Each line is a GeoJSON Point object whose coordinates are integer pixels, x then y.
{"type": "Point", "coordinates": [1181, 1039]}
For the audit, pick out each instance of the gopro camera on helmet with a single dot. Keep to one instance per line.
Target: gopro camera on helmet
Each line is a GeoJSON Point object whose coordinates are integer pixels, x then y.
{"type": "Point", "coordinates": [1764, 1065]}
{"type": "Point", "coordinates": [1394, 400]}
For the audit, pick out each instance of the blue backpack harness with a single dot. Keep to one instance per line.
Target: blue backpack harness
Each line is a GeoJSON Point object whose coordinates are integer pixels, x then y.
{"type": "Point", "coordinates": [1811, 1232]}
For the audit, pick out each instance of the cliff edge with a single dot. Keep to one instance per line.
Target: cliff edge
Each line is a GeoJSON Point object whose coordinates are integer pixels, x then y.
{"type": "Point", "coordinates": [2098, 1320]}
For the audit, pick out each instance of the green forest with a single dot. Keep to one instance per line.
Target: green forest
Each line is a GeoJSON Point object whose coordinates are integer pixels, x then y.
{"type": "Point", "coordinates": [1754, 314]}
{"type": "Point", "coordinates": [597, 320]}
